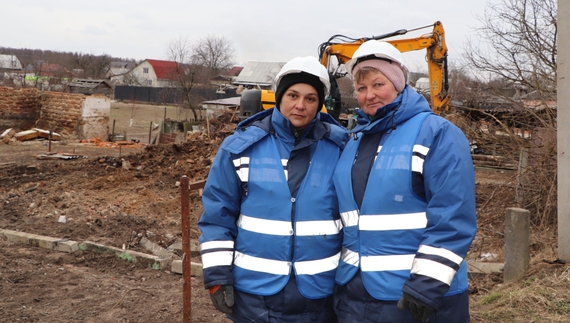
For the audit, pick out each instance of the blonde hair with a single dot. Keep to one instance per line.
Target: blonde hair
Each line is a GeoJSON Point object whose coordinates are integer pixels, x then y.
{"type": "Point", "coordinates": [362, 72]}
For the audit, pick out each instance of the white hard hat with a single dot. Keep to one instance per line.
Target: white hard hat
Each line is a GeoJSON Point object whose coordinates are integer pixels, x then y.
{"type": "Point", "coordinates": [308, 64]}
{"type": "Point", "coordinates": [379, 49]}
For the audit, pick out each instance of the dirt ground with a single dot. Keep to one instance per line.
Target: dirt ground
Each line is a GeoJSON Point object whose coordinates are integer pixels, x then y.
{"type": "Point", "coordinates": [115, 196]}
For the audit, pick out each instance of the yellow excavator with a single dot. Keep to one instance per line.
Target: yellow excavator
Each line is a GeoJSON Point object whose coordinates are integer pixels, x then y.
{"type": "Point", "coordinates": [342, 48]}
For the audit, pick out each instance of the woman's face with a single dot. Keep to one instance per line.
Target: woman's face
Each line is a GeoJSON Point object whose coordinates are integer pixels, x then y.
{"type": "Point", "coordinates": [373, 91]}
{"type": "Point", "coordinates": [299, 104]}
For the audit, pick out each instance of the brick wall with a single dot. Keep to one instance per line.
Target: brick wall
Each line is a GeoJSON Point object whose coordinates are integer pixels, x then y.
{"type": "Point", "coordinates": [61, 112]}
{"type": "Point", "coordinates": [75, 116]}
{"type": "Point", "coordinates": [19, 109]}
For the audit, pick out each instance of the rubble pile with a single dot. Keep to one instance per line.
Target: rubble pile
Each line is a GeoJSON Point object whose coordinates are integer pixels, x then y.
{"type": "Point", "coordinates": [222, 124]}
{"type": "Point", "coordinates": [106, 190]}
{"type": "Point", "coordinates": [11, 136]}
{"type": "Point", "coordinates": [112, 144]}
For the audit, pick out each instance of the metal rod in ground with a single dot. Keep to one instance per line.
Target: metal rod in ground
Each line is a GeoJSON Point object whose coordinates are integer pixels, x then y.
{"type": "Point", "coordinates": [113, 131]}
{"type": "Point", "coordinates": [49, 141]}
{"type": "Point", "coordinates": [186, 257]}
{"type": "Point", "coordinates": [149, 132]}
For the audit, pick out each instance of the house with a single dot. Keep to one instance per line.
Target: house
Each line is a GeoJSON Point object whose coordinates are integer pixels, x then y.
{"type": "Point", "coordinates": [54, 70]}
{"type": "Point", "coordinates": [10, 67]}
{"type": "Point", "coordinates": [213, 106]}
{"type": "Point", "coordinates": [224, 82]}
{"type": "Point", "coordinates": [258, 75]}
{"type": "Point", "coordinates": [88, 87]}
{"type": "Point", "coordinates": [10, 63]}
{"type": "Point", "coordinates": [117, 71]}
{"type": "Point", "coordinates": [153, 73]}
{"type": "Point", "coordinates": [52, 77]}
{"type": "Point", "coordinates": [422, 85]}
{"type": "Point", "coordinates": [234, 71]}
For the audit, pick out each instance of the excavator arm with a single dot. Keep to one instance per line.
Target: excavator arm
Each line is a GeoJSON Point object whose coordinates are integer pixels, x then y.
{"type": "Point", "coordinates": [436, 56]}
{"type": "Point", "coordinates": [343, 50]}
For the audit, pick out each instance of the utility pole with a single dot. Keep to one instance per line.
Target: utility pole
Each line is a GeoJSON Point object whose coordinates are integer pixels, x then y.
{"type": "Point", "coordinates": [563, 129]}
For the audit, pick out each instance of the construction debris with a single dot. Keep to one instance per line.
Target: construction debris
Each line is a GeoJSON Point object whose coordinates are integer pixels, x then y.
{"type": "Point", "coordinates": [7, 135]}
{"type": "Point", "coordinates": [48, 134]}
{"type": "Point", "coordinates": [35, 133]}
{"type": "Point", "coordinates": [60, 156]}
{"type": "Point", "coordinates": [115, 144]}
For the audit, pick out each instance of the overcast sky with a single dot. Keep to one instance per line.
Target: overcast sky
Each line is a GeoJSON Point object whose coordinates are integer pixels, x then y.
{"type": "Point", "coordinates": [259, 30]}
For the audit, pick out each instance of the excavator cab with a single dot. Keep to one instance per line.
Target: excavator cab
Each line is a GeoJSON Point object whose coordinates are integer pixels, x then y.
{"type": "Point", "coordinates": [255, 100]}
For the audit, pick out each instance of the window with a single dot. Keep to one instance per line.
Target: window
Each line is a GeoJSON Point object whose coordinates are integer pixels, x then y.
{"type": "Point", "coordinates": [145, 70]}
{"type": "Point", "coordinates": [148, 82]}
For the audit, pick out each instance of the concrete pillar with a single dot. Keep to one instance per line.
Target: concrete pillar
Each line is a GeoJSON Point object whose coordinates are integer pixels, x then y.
{"type": "Point", "coordinates": [563, 129]}
{"type": "Point", "coordinates": [517, 244]}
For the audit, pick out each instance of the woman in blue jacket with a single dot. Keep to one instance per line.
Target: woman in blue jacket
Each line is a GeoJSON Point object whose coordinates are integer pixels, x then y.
{"type": "Point", "coordinates": [271, 229]}
{"type": "Point", "coordinates": [406, 188]}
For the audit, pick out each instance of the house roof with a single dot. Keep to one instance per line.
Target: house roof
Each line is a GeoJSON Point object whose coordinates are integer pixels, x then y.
{"type": "Point", "coordinates": [234, 71]}
{"type": "Point", "coordinates": [258, 73]}
{"type": "Point", "coordinates": [113, 71]}
{"type": "Point", "coordinates": [10, 62]}
{"type": "Point", "coordinates": [225, 78]}
{"type": "Point", "coordinates": [234, 101]}
{"type": "Point", "coordinates": [86, 83]}
{"type": "Point", "coordinates": [164, 69]}
{"type": "Point", "coordinates": [120, 64]}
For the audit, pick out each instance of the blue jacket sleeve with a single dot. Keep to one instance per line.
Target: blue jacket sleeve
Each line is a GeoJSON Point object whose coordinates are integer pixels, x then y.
{"type": "Point", "coordinates": [449, 181]}
{"type": "Point", "coordinates": [221, 202]}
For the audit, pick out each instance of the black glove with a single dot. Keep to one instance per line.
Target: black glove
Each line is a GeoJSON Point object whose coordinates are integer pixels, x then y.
{"type": "Point", "coordinates": [222, 297]}
{"type": "Point", "coordinates": [420, 310]}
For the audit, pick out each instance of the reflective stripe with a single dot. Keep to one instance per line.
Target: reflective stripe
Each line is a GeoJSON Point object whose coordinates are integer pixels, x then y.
{"type": "Point", "coordinates": [284, 163]}
{"type": "Point", "coordinates": [406, 221]}
{"type": "Point", "coordinates": [377, 153]}
{"type": "Point", "coordinates": [349, 218]}
{"type": "Point", "coordinates": [272, 227]}
{"type": "Point", "coordinates": [217, 258]}
{"type": "Point", "coordinates": [275, 267]}
{"type": "Point", "coordinates": [386, 263]}
{"type": "Point", "coordinates": [226, 244]}
{"type": "Point", "coordinates": [417, 164]}
{"type": "Point", "coordinates": [242, 168]}
{"type": "Point", "coordinates": [316, 228]}
{"type": "Point", "coordinates": [350, 257]}
{"type": "Point", "coordinates": [421, 149]}
{"type": "Point", "coordinates": [238, 162]}
{"type": "Point", "coordinates": [433, 269]}
{"type": "Point", "coordinates": [243, 174]}
{"type": "Point", "coordinates": [418, 161]}
{"type": "Point", "coordinates": [313, 267]}
{"type": "Point", "coordinates": [442, 253]}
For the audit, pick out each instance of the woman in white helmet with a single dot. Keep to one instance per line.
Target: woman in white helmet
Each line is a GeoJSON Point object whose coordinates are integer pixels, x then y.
{"type": "Point", "coordinates": [406, 190]}
{"type": "Point", "coordinates": [271, 233]}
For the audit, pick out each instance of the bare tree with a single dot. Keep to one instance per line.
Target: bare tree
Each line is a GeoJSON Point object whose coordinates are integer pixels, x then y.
{"type": "Point", "coordinates": [188, 71]}
{"type": "Point", "coordinates": [214, 53]}
{"type": "Point", "coordinates": [99, 66]}
{"type": "Point", "coordinates": [521, 37]}
{"type": "Point", "coordinates": [92, 66]}
{"type": "Point", "coordinates": [80, 61]}
{"type": "Point", "coordinates": [197, 63]}
{"type": "Point", "coordinates": [463, 87]}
